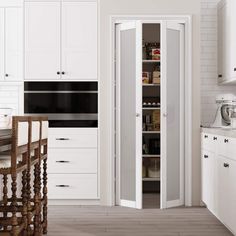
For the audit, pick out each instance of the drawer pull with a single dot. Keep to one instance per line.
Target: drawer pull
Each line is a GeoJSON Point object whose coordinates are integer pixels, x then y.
{"type": "Point", "coordinates": [220, 76]}
{"type": "Point", "coordinates": [226, 140]}
{"type": "Point", "coordinates": [215, 138]}
{"type": "Point", "coordinates": [235, 69]}
{"type": "Point", "coordinates": [205, 156]}
{"type": "Point", "coordinates": [62, 139]}
{"type": "Point", "coordinates": [62, 162]}
{"type": "Point", "coordinates": [226, 165]}
{"type": "Point", "coordinates": [62, 186]}
{"type": "Point", "coordinates": [205, 136]}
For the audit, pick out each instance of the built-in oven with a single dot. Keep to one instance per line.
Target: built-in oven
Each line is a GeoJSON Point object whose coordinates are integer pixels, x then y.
{"type": "Point", "coordinates": [67, 104]}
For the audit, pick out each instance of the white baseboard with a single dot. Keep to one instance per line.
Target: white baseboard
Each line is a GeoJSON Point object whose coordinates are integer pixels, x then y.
{"type": "Point", "coordinates": [74, 202]}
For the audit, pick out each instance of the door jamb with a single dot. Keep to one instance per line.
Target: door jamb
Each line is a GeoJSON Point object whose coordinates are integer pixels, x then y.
{"type": "Point", "coordinates": [187, 21]}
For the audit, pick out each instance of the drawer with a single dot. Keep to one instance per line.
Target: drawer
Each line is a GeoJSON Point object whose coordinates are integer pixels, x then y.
{"type": "Point", "coordinates": [71, 161]}
{"type": "Point", "coordinates": [227, 147]}
{"type": "Point", "coordinates": [72, 138]}
{"type": "Point", "coordinates": [72, 186]}
{"type": "Point", "coordinates": [209, 141]}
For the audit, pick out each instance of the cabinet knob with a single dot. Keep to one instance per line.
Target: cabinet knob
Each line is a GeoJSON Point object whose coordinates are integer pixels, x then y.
{"type": "Point", "coordinates": [220, 76]}
{"type": "Point", "coordinates": [226, 140]}
{"type": "Point", "coordinates": [63, 72]}
{"type": "Point", "coordinates": [235, 69]}
{"type": "Point", "coordinates": [205, 136]}
{"type": "Point", "coordinates": [226, 165]}
{"type": "Point", "coordinates": [62, 139]}
{"type": "Point", "coordinates": [214, 138]}
{"type": "Point", "coordinates": [6, 75]}
{"type": "Point", "coordinates": [58, 72]}
{"type": "Point", "coordinates": [62, 162]}
{"type": "Point", "coordinates": [205, 156]}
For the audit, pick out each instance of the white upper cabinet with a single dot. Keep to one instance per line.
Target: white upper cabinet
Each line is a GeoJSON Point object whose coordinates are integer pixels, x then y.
{"type": "Point", "coordinates": [226, 42]}
{"type": "Point", "coordinates": [42, 40]}
{"type": "Point", "coordinates": [11, 44]}
{"type": "Point", "coordinates": [61, 40]}
{"type": "Point", "coordinates": [79, 40]}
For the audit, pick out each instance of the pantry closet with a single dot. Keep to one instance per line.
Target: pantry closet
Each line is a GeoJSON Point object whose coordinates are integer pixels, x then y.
{"type": "Point", "coordinates": [150, 108]}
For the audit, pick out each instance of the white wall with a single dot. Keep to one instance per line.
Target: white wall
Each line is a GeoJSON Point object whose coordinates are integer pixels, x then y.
{"type": "Point", "coordinates": [209, 86]}
{"type": "Point", "coordinates": [126, 7]}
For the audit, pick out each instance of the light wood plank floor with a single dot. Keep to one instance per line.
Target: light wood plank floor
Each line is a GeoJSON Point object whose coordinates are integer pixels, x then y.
{"type": "Point", "coordinates": [118, 221]}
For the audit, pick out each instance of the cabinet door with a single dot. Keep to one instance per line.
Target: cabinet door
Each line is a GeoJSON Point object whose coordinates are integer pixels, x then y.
{"type": "Point", "coordinates": [232, 34]}
{"type": "Point", "coordinates": [13, 44]}
{"type": "Point", "coordinates": [223, 190]}
{"type": "Point", "coordinates": [2, 44]}
{"type": "Point", "coordinates": [79, 40]}
{"type": "Point", "coordinates": [208, 162]}
{"type": "Point", "coordinates": [42, 40]}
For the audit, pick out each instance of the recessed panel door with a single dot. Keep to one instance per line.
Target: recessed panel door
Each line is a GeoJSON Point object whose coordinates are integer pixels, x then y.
{"type": "Point", "coordinates": [79, 40]}
{"type": "Point", "coordinates": [42, 40]}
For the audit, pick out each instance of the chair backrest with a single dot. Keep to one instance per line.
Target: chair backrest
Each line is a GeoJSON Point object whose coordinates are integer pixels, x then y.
{"type": "Point", "coordinates": [20, 138]}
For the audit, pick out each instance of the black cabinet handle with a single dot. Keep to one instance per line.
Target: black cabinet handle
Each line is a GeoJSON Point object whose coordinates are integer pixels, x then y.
{"type": "Point", "coordinates": [205, 136]}
{"type": "Point", "coordinates": [235, 69]}
{"type": "Point", "coordinates": [58, 72]}
{"type": "Point", "coordinates": [62, 139]}
{"type": "Point", "coordinates": [62, 161]}
{"type": "Point", "coordinates": [220, 76]}
{"type": "Point", "coordinates": [214, 138]}
{"type": "Point", "coordinates": [6, 75]}
{"type": "Point", "coordinates": [226, 140]}
{"type": "Point", "coordinates": [205, 156]}
{"type": "Point", "coordinates": [226, 165]}
{"type": "Point", "coordinates": [63, 72]}
{"type": "Point", "coordinates": [62, 186]}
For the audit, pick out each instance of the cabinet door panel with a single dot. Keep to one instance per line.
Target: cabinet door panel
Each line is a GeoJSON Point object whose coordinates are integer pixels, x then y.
{"type": "Point", "coordinates": [2, 43]}
{"type": "Point", "coordinates": [42, 40]}
{"type": "Point", "coordinates": [208, 179]}
{"type": "Point", "coordinates": [223, 190]}
{"type": "Point", "coordinates": [13, 44]}
{"type": "Point", "coordinates": [79, 40]}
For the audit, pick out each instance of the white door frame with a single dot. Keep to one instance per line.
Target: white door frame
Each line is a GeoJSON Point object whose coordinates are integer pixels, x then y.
{"type": "Point", "coordinates": [187, 21]}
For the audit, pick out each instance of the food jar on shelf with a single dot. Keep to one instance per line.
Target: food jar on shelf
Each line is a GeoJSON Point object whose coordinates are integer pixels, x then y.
{"type": "Point", "coordinates": [154, 168]}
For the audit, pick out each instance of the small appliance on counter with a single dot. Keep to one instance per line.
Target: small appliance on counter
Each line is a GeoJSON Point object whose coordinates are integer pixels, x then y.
{"type": "Point", "coordinates": [5, 118]}
{"type": "Point", "coordinates": [226, 107]}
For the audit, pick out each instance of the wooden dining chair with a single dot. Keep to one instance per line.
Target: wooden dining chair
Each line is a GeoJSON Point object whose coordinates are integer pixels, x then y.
{"type": "Point", "coordinates": [12, 164]}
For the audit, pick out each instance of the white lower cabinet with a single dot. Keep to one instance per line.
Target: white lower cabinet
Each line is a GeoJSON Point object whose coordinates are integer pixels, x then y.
{"type": "Point", "coordinates": [218, 179]}
{"type": "Point", "coordinates": [73, 164]}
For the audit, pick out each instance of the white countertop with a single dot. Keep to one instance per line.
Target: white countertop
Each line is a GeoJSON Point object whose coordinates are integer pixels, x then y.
{"type": "Point", "coordinates": [228, 132]}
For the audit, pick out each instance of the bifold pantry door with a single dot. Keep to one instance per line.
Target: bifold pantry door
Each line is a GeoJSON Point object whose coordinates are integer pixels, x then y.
{"type": "Point", "coordinates": [172, 112]}
{"type": "Point", "coordinates": [129, 114]}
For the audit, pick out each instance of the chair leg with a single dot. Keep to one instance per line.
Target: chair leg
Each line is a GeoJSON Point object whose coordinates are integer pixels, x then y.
{"type": "Point", "coordinates": [24, 201]}
{"type": "Point", "coordinates": [45, 198]}
{"type": "Point", "coordinates": [29, 208]}
{"type": "Point", "coordinates": [37, 203]}
{"type": "Point", "coordinates": [5, 198]}
{"type": "Point", "coordinates": [14, 222]}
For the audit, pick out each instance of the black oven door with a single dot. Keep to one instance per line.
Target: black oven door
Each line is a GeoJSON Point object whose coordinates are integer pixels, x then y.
{"type": "Point", "coordinates": [67, 104]}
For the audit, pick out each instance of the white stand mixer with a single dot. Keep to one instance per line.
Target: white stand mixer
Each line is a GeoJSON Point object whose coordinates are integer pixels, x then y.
{"type": "Point", "coordinates": [226, 104]}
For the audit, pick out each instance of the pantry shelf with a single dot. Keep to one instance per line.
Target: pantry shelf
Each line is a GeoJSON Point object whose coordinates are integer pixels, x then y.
{"type": "Point", "coordinates": [151, 156]}
{"type": "Point", "coordinates": [151, 61]}
{"type": "Point", "coordinates": [151, 132]}
{"type": "Point", "coordinates": [151, 108]}
{"type": "Point", "coordinates": [151, 179]}
{"type": "Point", "coordinates": [151, 85]}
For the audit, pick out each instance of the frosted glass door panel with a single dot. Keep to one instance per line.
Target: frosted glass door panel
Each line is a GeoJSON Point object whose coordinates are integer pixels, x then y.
{"type": "Point", "coordinates": [127, 115]}
{"type": "Point", "coordinates": [173, 116]}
